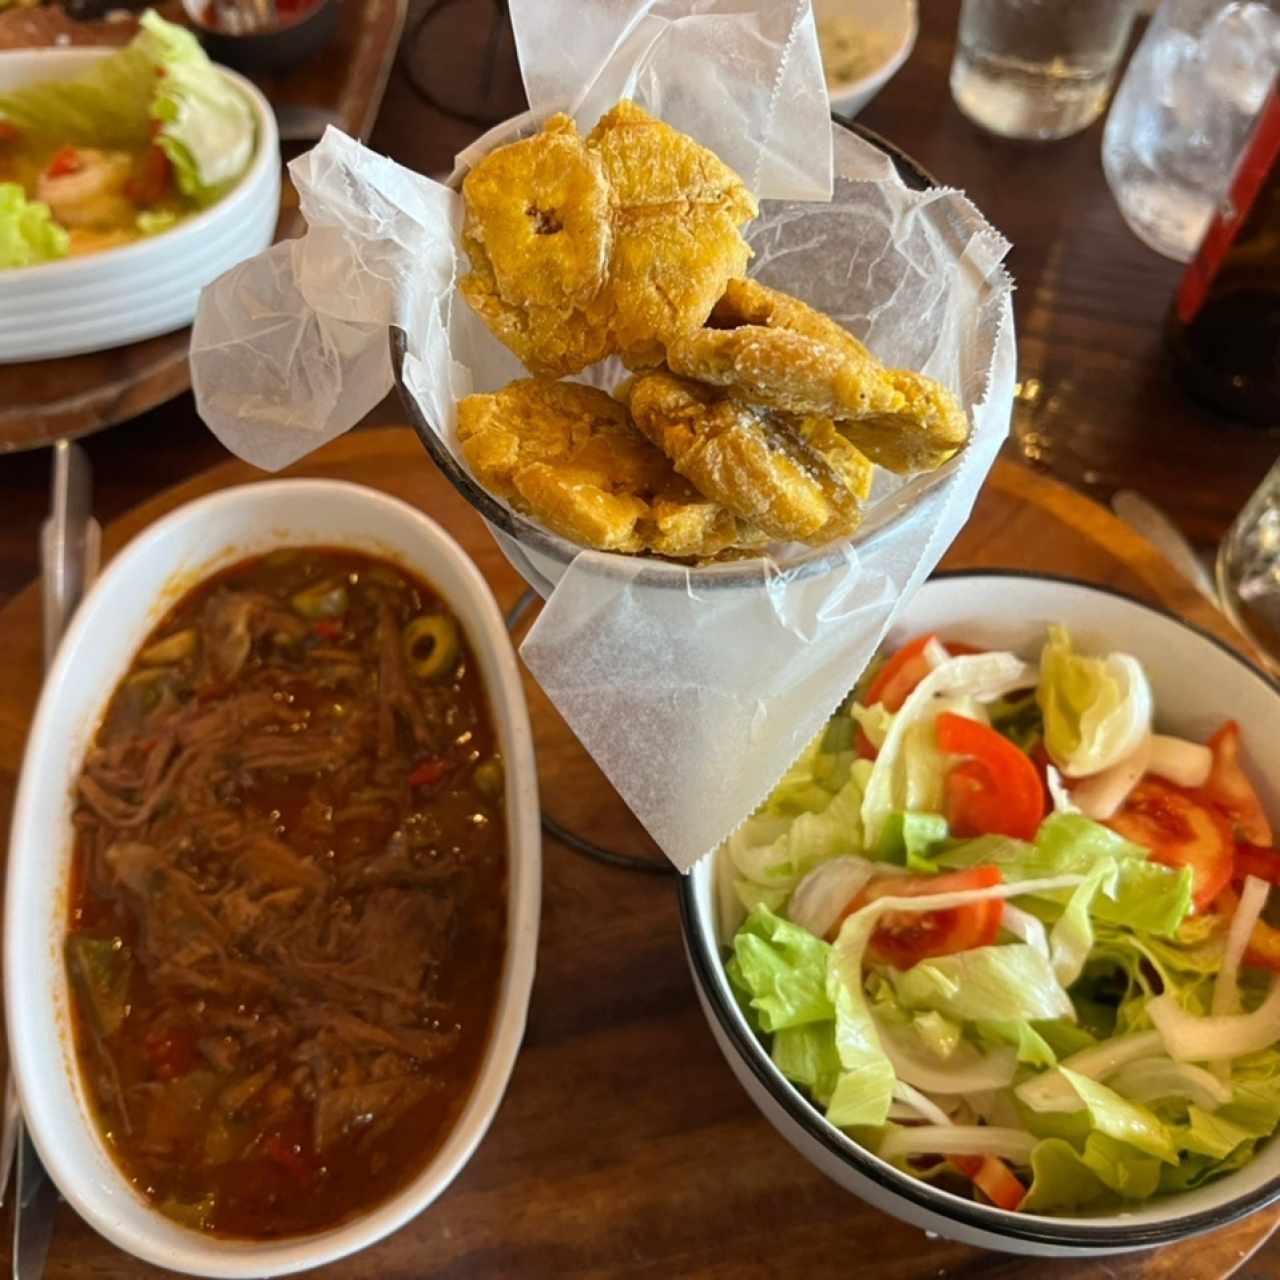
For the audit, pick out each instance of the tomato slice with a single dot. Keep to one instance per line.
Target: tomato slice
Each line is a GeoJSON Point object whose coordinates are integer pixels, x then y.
{"type": "Point", "coordinates": [895, 681]}
{"type": "Point", "coordinates": [904, 938]}
{"type": "Point", "coordinates": [997, 790]}
{"type": "Point", "coordinates": [1263, 951]}
{"type": "Point", "coordinates": [1180, 830]}
{"type": "Point", "coordinates": [993, 1178]}
{"type": "Point", "coordinates": [171, 1051]}
{"type": "Point", "coordinates": [1252, 861]}
{"type": "Point", "coordinates": [429, 772]}
{"type": "Point", "coordinates": [1230, 789]}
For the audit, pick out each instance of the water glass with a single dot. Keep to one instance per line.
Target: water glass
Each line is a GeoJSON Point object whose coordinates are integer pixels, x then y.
{"type": "Point", "coordinates": [1183, 112]}
{"type": "Point", "coordinates": [1038, 68]}
{"type": "Point", "coordinates": [1249, 569]}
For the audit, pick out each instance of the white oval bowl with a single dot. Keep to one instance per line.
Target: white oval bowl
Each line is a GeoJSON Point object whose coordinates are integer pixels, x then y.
{"type": "Point", "coordinates": [138, 587]}
{"type": "Point", "coordinates": [151, 286]}
{"type": "Point", "coordinates": [1198, 683]}
{"type": "Point", "coordinates": [896, 22]}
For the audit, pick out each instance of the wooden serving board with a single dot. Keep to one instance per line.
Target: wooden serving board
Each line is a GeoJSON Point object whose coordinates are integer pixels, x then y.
{"type": "Point", "coordinates": [45, 400]}
{"type": "Point", "coordinates": [624, 1146]}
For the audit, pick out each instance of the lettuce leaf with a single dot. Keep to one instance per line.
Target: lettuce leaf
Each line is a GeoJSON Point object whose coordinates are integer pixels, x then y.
{"type": "Point", "coordinates": [907, 839]}
{"type": "Point", "coordinates": [207, 127]}
{"type": "Point", "coordinates": [784, 968]}
{"type": "Point", "coordinates": [1096, 710]}
{"type": "Point", "coordinates": [1125, 1121]}
{"type": "Point", "coordinates": [806, 1055]}
{"type": "Point", "coordinates": [28, 233]}
{"type": "Point", "coordinates": [1005, 983]}
{"type": "Point", "coordinates": [1135, 892]}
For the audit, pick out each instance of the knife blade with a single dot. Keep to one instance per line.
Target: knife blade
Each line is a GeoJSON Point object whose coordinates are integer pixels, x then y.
{"type": "Point", "coordinates": [70, 547]}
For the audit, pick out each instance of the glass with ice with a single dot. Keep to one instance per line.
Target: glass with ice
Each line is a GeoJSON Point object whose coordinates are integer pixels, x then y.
{"type": "Point", "coordinates": [1249, 569]}
{"type": "Point", "coordinates": [1182, 113]}
{"type": "Point", "coordinates": [1037, 68]}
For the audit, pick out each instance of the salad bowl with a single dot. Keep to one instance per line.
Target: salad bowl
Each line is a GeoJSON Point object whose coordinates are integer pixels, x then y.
{"type": "Point", "coordinates": [149, 287]}
{"type": "Point", "coordinates": [1197, 683]}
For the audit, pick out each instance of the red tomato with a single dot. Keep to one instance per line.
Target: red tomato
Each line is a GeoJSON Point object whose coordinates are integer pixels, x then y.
{"type": "Point", "coordinates": [65, 160]}
{"type": "Point", "coordinates": [894, 682]}
{"type": "Point", "coordinates": [1180, 830]}
{"type": "Point", "coordinates": [904, 938]}
{"type": "Point", "coordinates": [151, 179]}
{"type": "Point", "coordinates": [993, 1178]}
{"type": "Point", "coordinates": [329, 630]}
{"type": "Point", "coordinates": [1263, 951]}
{"type": "Point", "coordinates": [1231, 790]}
{"type": "Point", "coordinates": [172, 1051]}
{"type": "Point", "coordinates": [997, 789]}
{"type": "Point", "coordinates": [1252, 861]}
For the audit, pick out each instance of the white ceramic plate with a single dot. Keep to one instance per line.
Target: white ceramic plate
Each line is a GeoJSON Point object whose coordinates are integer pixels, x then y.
{"type": "Point", "coordinates": [148, 287]}
{"type": "Point", "coordinates": [140, 584]}
{"type": "Point", "coordinates": [1198, 683]}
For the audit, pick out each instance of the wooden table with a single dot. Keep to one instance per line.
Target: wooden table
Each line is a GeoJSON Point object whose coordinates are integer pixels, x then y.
{"type": "Point", "coordinates": [624, 1146]}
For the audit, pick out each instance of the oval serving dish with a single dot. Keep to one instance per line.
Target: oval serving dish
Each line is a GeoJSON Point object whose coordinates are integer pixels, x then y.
{"type": "Point", "coordinates": [137, 589]}
{"type": "Point", "coordinates": [146, 288]}
{"type": "Point", "coordinates": [1197, 682]}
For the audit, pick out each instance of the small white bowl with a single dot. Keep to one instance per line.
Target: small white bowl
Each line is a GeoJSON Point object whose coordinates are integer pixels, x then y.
{"type": "Point", "coordinates": [151, 286]}
{"type": "Point", "coordinates": [893, 24]}
{"type": "Point", "coordinates": [139, 585]}
{"type": "Point", "coordinates": [1198, 683]}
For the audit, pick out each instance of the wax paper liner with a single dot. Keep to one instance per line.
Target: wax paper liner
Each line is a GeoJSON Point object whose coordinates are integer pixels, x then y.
{"type": "Point", "coordinates": [694, 689]}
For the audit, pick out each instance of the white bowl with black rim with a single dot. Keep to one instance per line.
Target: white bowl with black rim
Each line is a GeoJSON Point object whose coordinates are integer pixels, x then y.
{"type": "Point", "coordinates": [1198, 682]}
{"type": "Point", "coordinates": [138, 587]}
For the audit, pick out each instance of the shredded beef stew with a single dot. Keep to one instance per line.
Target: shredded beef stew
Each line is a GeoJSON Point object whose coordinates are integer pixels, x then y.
{"type": "Point", "coordinates": [288, 907]}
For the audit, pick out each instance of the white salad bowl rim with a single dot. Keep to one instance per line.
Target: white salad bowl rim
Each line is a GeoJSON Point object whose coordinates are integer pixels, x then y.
{"type": "Point", "coordinates": [143, 580]}
{"type": "Point", "coordinates": [804, 1126]}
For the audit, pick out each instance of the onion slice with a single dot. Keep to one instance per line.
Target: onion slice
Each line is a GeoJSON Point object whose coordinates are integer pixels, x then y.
{"type": "Point", "coordinates": [1052, 1091]}
{"type": "Point", "coordinates": [1100, 796]}
{"type": "Point", "coordinates": [966, 1071]}
{"type": "Point", "coordinates": [1026, 928]}
{"type": "Point", "coordinates": [1151, 1079]}
{"type": "Point", "coordinates": [925, 1107]}
{"type": "Point", "coordinates": [959, 1140]}
{"type": "Point", "coordinates": [1186, 764]}
{"type": "Point", "coordinates": [823, 896]}
{"type": "Point", "coordinates": [1226, 992]}
{"type": "Point", "coordinates": [1188, 1038]}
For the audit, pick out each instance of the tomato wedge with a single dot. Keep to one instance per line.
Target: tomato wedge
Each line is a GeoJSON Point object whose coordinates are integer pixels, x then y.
{"type": "Point", "coordinates": [904, 938]}
{"type": "Point", "coordinates": [1180, 830]}
{"type": "Point", "coordinates": [997, 790]}
{"type": "Point", "coordinates": [1230, 789]}
{"type": "Point", "coordinates": [993, 1178]}
{"type": "Point", "coordinates": [1263, 951]}
{"type": "Point", "coordinates": [1252, 861]}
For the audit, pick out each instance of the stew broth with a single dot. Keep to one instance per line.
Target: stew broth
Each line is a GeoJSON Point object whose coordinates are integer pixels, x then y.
{"type": "Point", "coordinates": [288, 907]}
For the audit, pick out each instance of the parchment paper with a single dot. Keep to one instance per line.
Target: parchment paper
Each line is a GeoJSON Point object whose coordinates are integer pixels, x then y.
{"type": "Point", "coordinates": [693, 695]}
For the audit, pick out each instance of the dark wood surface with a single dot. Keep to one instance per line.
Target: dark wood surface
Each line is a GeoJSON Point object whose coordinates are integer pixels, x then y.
{"type": "Point", "coordinates": [44, 400]}
{"type": "Point", "coordinates": [624, 1147]}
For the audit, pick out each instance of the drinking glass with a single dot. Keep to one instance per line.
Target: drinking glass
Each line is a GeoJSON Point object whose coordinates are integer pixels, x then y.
{"type": "Point", "coordinates": [1038, 68]}
{"type": "Point", "coordinates": [1249, 569]}
{"type": "Point", "coordinates": [1182, 113]}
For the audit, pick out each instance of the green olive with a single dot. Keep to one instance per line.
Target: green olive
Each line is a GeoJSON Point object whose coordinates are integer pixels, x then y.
{"type": "Point", "coordinates": [182, 644]}
{"type": "Point", "coordinates": [489, 777]}
{"type": "Point", "coordinates": [326, 599]}
{"type": "Point", "coordinates": [431, 645]}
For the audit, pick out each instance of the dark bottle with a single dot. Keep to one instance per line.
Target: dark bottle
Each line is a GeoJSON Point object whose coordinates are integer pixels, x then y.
{"type": "Point", "coordinates": [1224, 326]}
